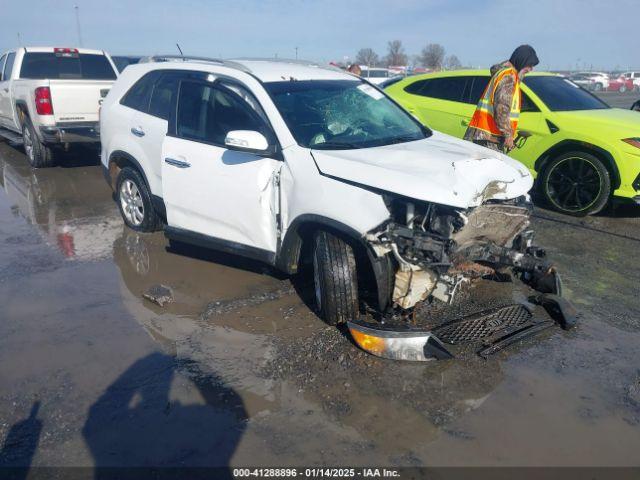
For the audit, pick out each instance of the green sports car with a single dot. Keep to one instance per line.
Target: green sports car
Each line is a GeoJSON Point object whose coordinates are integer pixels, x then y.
{"type": "Point", "coordinates": [581, 151]}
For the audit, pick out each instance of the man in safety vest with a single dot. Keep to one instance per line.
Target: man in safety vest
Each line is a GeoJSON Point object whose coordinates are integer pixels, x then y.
{"type": "Point", "coordinates": [495, 121]}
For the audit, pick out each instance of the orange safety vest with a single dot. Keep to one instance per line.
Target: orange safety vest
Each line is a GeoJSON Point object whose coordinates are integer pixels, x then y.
{"type": "Point", "coordinates": [483, 117]}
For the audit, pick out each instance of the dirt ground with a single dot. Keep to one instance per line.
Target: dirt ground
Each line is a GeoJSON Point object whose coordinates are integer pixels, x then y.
{"type": "Point", "coordinates": [239, 370]}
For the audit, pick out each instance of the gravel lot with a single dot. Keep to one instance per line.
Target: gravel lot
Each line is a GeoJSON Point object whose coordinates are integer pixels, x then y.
{"type": "Point", "coordinates": [239, 370]}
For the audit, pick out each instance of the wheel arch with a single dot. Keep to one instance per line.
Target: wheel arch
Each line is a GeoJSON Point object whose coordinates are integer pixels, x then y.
{"type": "Point", "coordinates": [120, 159]}
{"type": "Point", "coordinates": [576, 145]}
{"type": "Point", "coordinates": [297, 239]}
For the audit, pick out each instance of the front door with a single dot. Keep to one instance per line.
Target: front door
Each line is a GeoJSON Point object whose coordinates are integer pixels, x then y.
{"type": "Point", "coordinates": [209, 189]}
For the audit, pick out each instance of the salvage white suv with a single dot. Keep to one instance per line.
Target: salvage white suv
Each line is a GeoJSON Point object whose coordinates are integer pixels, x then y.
{"type": "Point", "coordinates": [271, 160]}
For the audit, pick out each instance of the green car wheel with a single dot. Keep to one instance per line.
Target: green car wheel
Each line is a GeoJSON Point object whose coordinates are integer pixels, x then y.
{"type": "Point", "coordinates": [576, 183]}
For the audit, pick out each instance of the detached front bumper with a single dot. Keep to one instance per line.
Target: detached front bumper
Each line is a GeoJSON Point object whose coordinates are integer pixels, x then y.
{"type": "Point", "coordinates": [85, 132]}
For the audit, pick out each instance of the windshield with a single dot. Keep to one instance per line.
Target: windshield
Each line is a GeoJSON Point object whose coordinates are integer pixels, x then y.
{"type": "Point", "coordinates": [342, 114]}
{"type": "Point", "coordinates": [562, 95]}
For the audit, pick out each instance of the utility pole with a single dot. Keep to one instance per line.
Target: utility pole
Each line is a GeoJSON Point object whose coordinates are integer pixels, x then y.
{"type": "Point", "coordinates": [296, 53]}
{"type": "Point", "coordinates": [77, 9]}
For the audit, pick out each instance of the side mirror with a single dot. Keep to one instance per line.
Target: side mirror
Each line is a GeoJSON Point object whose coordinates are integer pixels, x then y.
{"type": "Point", "coordinates": [248, 141]}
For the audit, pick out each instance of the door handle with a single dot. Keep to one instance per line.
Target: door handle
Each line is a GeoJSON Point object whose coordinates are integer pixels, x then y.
{"type": "Point", "coordinates": [176, 163]}
{"type": "Point", "coordinates": [138, 132]}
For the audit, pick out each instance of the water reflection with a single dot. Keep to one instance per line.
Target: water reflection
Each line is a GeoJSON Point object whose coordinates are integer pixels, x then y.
{"type": "Point", "coordinates": [71, 209]}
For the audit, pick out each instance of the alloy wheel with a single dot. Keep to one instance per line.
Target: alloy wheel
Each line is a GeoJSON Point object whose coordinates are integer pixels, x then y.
{"type": "Point", "coordinates": [131, 202]}
{"type": "Point", "coordinates": [574, 184]}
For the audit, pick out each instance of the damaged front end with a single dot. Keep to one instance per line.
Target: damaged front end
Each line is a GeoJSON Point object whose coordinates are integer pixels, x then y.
{"type": "Point", "coordinates": [438, 250]}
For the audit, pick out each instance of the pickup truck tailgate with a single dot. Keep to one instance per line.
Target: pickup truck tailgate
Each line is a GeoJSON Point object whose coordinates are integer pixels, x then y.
{"type": "Point", "coordinates": [77, 100]}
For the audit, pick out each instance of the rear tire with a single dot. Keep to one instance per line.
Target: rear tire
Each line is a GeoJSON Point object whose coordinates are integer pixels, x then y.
{"type": "Point", "coordinates": [576, 183]}
{"type": "Point", "coordinates": [134, 200]}
{"type": "Point", "coordinates": [623, 88]}
{"type": "Point", "coordinates": [38, 154]}
{"type": "Point", "coordinates": [335, 279]}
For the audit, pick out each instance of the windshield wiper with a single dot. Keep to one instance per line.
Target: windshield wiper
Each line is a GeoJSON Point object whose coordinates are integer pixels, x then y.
{"type": "Point", "coordinates": [402, 139]}
{"type": "Point", "coordinates": [335, 146]}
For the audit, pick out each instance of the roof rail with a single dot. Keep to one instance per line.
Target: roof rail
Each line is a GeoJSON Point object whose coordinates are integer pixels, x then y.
{"type": "Point", "coordinates": [306, 63]}
{"type": "Point", "coordinates": [189, 58]}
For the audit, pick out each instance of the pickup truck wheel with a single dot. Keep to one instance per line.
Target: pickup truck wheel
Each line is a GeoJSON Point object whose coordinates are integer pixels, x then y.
{"type": "Point", "coordinates": [38, 154]}
{"type": "Point", "coordinates": [577, 183]}
{"type": "Point", "coordinates": [134, 201]}
{"type": "Point", "coordinates": [335, 279]}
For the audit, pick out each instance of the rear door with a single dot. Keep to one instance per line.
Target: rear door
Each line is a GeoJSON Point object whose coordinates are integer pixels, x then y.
{"type": "Point", "coordinates": [213, 191]}
{"type": "Point", "coordinates": [78, 81]}
{"type": "Point", "coordinates": [150, 120]}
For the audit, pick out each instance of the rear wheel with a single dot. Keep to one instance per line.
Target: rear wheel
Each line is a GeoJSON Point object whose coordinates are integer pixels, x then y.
{"type": "Point", "coordinates": [623, 88]}
{"type": "Point", "coordinates": [577, 183]}
{"type": "Point", "coordinates": [38, 154]}
{"type": "Point", "coordinates": [134, 200]}
{"type": "Point", "coordinates": [335, 279]}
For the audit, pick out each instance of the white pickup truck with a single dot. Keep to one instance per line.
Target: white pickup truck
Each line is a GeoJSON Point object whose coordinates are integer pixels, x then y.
{"type": "Point", "coordinates": [50, 98]}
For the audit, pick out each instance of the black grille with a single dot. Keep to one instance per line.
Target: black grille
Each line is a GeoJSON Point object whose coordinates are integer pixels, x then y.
{"type": "Point", "coordinates": [483, 324]}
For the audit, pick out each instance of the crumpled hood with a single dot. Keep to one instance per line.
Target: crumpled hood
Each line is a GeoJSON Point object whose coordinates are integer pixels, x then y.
{"type": "Point", "coordinates": [440, 169]}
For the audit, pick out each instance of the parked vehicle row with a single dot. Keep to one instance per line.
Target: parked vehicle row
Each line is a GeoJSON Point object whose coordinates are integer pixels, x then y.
{"type": "Point", "coordinates": [49, 98]}
{"type": "Point", "coordinates": [582, 152]}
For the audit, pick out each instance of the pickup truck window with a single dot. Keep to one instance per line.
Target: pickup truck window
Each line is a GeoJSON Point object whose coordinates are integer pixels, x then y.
{"type": "Point", "coordinates": [8, 66]}
{"type": "Point", "coordinates": [44, 65]}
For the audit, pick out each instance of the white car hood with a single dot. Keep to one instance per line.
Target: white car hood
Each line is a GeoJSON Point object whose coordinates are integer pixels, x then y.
{"type": "Point", "coordinates": [440, 169]}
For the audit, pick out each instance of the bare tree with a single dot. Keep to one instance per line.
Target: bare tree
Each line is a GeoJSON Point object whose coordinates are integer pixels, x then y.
{"type": "Point", "coordinates": [432, 56]}
{"type": "Point", "coordinates": [395, 55]}
{"type": "Point", "coordinates": [452, 63]}
{"type": "Point", "coordinates": [366, 56]}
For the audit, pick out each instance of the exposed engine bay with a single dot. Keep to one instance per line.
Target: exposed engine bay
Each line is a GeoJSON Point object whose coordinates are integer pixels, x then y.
{"type": "Point", "coordinates": [439, 248]}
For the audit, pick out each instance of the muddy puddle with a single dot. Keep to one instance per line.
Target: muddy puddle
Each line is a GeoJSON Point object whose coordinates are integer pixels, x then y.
{"type": "Point", "coordinates": [239, 370]}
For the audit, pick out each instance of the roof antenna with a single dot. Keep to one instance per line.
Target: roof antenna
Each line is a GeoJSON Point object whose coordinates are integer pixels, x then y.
{"type": "Point", "coordinates": [180, 50]}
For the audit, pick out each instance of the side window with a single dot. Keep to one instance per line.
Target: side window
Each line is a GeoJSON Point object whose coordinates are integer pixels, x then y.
{"type": "Point", "coordinates": [8, 66]}
{"type": "Point", "coordinates": [2, 59]}
{"type": "Point", "coordinates": [477, 89]}
{"type": "Point", "coordinates": [163, 95]}
{"type": "Point", "coordinates": [449, 88]}
{"type": "Point", "coordinates": [138, 96]}
{"type": "Point", "coordinates": [207, 113]}
{"type": "Point", "coordinates": [527, 104]}
{"type": "Point", "coordinates": [415, 87]}
{"type": "Point", "coordinates": [165, 90]}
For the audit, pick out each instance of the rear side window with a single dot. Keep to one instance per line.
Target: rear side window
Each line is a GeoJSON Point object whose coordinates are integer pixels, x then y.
{"type": "Point", "coordinates": [43, 65]}
{"type": "Point", "coordinates": [139, 95]}
{"type": "Point", "coordinates": [450, 88]}
{"type": "Point", "coordinates": [2, 59]}
{"type": "Point", "coordinates": [8, 66]}
{"type": "Point", "coordinates": [207, 113]}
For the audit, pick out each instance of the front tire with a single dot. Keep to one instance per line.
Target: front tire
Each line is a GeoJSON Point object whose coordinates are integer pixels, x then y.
{"type": "Point", "coordinates": [38, 154]}
{"type": "Point", "coordinates": [134, 200]}
{"type": "Point", "coordinates": [576, 183]}
{"type": "Point", "coordinates": [335, 279]}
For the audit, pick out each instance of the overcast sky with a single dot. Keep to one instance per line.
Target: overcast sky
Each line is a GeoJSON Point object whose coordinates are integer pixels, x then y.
{"type": "Point", "coordinates": [602, 34]}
